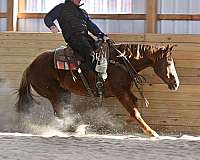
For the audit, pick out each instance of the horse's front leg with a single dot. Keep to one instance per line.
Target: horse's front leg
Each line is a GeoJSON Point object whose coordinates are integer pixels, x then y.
{"type": "Point", "coordinates": [128, 100]}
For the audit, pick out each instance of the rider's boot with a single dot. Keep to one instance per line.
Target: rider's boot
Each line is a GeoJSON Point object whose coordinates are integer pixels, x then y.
{"type": "Point", "coordinates": [101, 68]}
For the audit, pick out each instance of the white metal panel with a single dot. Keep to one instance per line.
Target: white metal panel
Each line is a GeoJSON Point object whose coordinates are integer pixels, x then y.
{"type": "Point", "coordinates": [112, 26]}
{"type": "Point", "coordinates": [181, 27]}
{"type": "Point", "coordinates": [125, 6]}
{"type": "Point", "coordinates": [139, 6]}
{"type": "Point", "coordinates": [102, 24]}
{"type": "Point", "coordinates": [166, 27]}
{"type": "Point", "coordinates": [94, 6]}
{"type": "Point", "coordinates": [159, 6]}
{"type": "Point", "coordinates": [3, 5]}
{"type": "Point", "coordinates": [138, 26]}
{"type": "Point", "coordinates": [166, 6]}
{"type": "Point", "coordinates": [32, 25]}
{"type": "Point", "coordinates": [120, 26]}
{"type": "Point", "coordinates": [159, 26]}
{"type": "Point", "coordinates": [35, 5]}
{"type": "Point", "coordinates": [3, 24]}
{"type": "Point", "coordinates": [107, 26]}
{"type": "Point", "coordinates": [50, 4]}
{"type": "Point", "coordinates": [194, 27]}
{"type": "Point", "coordinates": [194, 7]}
{"type": "Point", "coordinates": [173, 27]}
{"type": "Point", "coordinates": [179, 7]}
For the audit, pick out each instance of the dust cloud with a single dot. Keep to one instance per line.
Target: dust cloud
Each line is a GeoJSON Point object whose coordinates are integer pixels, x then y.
{"type": "Point", "coordinates": [82, 111]}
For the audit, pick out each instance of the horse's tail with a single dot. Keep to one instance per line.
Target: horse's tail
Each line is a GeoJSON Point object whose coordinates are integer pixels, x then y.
{"type": "Point", "coordinates": [25, 99]}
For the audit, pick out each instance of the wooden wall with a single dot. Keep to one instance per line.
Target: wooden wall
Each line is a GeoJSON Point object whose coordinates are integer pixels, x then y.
{"type": "Point", "coordinates": [169, 112]}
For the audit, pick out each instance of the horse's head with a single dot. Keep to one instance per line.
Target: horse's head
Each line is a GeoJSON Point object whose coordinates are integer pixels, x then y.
{"type": "Point", "coordinates": [164, 67]}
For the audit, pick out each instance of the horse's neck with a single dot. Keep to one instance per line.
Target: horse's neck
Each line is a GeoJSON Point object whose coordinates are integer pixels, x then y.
{"type": "Point", "coordinates": [140, 64]}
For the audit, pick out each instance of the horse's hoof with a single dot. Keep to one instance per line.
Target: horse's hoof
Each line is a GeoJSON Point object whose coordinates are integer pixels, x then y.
{"type": "Point", "coordinates": [59, 116]}
{"type": "Point", "coordinates": [154, 134]}
{"type": "Point", "coordinates": [151, 133]}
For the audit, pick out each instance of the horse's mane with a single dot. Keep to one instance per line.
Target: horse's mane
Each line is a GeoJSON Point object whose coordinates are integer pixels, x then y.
{"type": "Point", "coordinates": [137, 51]}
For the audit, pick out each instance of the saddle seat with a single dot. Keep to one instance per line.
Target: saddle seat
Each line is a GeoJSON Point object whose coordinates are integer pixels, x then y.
{"type": "Point", "coordinates": [66, 59]}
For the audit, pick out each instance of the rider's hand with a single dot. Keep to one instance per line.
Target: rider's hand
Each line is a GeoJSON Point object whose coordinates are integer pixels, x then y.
{"type": "Point", "coordinates": [54, 29]}
{"type": "Point", "coordinates": [105, 38]}
{"type": "Point", "coordinates": [108, 40]}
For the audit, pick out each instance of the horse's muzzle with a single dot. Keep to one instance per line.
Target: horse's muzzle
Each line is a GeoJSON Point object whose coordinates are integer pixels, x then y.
{"type": "Point", "coordinates": [173, 86]}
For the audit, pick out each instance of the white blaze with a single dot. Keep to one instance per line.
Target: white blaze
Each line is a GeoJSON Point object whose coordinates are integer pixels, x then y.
{"type": "Point", "coordinates": [172, 70]}
{"type": "Point", "coordinates": [138, 52]}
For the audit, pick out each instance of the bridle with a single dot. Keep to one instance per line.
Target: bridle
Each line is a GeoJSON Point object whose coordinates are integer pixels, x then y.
{"type": "Point", "coordinates": [137, 79]}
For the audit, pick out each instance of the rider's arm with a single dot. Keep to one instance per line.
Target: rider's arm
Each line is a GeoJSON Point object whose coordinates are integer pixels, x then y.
{"type": "Point", "coordinates": [52, 15]}
{"type": "Point", "coordinates": [92, 27]}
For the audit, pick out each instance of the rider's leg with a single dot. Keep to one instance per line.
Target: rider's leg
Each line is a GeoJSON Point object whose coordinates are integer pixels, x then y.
{"type": "Point", "coordinates": [92, 42]}
{"type": "Point", "coordinates": [81, 45]}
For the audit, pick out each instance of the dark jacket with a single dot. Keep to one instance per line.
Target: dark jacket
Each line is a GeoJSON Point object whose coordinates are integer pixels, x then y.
{"type": "Point", "coordinates": [72, 20]}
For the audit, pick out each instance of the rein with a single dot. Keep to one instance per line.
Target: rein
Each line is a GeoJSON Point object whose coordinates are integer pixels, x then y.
{"type": "Point", "coordinates": [138, 79]}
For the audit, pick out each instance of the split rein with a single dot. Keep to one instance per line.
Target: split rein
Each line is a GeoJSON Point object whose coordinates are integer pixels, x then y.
{"type": "Point", "coordinates": [138, 79]}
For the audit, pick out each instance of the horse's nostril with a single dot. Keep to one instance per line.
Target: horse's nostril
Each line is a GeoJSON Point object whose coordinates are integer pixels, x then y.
{"type": "Point", "coordinates": [175, 84]}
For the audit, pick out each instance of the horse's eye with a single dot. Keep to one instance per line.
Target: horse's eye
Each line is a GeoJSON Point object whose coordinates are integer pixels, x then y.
{"type": "Point", "coordinates": [169, 63]}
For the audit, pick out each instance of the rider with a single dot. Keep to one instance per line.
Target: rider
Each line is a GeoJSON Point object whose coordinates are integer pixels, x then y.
{"type": "Point", "coordinates": [75, 24]}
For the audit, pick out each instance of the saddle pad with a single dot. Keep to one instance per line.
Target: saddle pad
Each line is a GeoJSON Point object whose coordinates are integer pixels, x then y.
{"type": "Point", "coordinates": [65, 59]}
{"type": "Point", "coordinates": [65, 66]}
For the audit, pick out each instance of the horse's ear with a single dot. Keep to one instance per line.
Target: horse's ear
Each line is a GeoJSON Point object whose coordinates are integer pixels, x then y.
{"type": "Point", "coordinates": [167, 51]}
{"type": "Point", "coordinates": [167, 48]}
{"type": "Point", "coordinates": [170, 49]}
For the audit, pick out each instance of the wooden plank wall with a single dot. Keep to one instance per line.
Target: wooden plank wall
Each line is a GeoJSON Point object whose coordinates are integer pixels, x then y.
{"type": "Point", "coordinates": [169, 112]}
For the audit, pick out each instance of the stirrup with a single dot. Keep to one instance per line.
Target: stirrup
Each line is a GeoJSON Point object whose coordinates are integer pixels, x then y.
{"type": "Point", "coordinates": [99, 85]}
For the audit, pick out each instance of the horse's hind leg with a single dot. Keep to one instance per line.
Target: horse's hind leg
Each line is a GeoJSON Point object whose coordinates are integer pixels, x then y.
{"type": "Point", "coordinates": [59, 100]}
{"type": "Point", "coordinates": [128, 100]}
{"type": "Point", "coordinates": [51, 90]}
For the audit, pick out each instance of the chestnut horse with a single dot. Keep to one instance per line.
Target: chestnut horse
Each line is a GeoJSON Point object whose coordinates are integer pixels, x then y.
{"type": "Point", "coordinates": [57, 85]}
